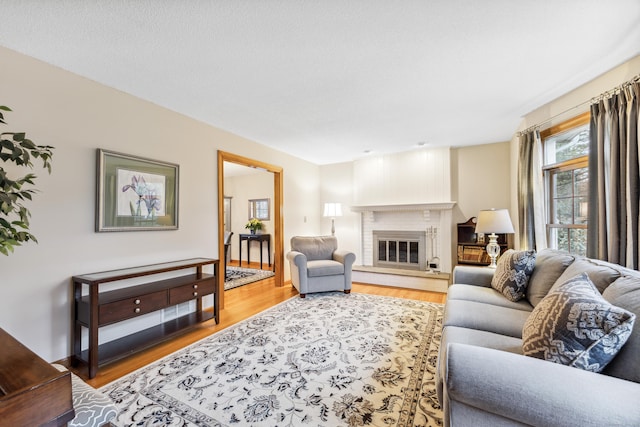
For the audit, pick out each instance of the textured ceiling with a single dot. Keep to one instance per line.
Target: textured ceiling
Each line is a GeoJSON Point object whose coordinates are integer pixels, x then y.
{"type": "Point", "coordinates": [328, 80]}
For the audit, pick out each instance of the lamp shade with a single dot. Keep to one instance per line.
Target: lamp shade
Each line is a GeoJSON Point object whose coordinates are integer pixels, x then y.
{"type": "Point", "coordinates": [332, 209]}
{"type": "Point", "coordinates": [494, 221]}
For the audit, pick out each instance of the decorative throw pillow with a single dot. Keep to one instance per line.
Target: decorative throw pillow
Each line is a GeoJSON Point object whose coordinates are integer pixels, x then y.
{"type": "Point", "coordinates": [512, 273]}
{"type": "Point", "coordinates": [575, 326]}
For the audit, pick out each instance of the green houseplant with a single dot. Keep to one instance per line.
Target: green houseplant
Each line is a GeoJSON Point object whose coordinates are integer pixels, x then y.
{"type": "Point", "coordinates": [254, 225]}
{"type": "Point", "coordinates": [14, 216]}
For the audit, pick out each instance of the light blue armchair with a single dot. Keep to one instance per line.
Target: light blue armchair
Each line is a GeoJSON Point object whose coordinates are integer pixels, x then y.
{"type": "Point", "coordinates": [318, 266]}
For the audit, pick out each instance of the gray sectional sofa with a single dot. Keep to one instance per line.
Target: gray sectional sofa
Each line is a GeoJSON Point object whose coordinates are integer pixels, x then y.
{"type": "Point", "coordinates": [485, 379]}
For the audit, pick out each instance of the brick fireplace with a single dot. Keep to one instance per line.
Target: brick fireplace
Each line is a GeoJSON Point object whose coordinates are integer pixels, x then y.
{"type": "Point", "coordinates": [408, 236]}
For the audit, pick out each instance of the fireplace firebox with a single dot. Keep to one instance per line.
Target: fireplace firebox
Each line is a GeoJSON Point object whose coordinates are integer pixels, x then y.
{"type": "Point", "coordinates": [399, 249]}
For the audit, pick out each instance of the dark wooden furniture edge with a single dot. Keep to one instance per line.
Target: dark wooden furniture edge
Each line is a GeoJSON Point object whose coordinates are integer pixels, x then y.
{"type": "Point", "coordinates": [32, 392]}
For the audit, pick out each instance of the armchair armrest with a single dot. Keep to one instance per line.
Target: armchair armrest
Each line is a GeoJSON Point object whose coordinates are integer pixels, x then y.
{"type": "Point", "coordinates": [479, 276]}
{"type": "Point", "coordinates": [298, 264]}
{"type": "Point", "coordinates": [536, 392]}
{"type": "Point", "coordinates": [344, 257]}
{"type": "Point", "coordinates": [298, 258]}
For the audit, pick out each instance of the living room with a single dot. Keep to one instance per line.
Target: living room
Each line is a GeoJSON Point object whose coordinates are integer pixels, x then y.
{"type": "Point", "coordinates": [78, 115]}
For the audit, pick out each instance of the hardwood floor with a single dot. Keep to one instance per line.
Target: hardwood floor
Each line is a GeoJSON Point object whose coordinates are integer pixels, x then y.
{"type": "Point", "coordinates": [240, 303]}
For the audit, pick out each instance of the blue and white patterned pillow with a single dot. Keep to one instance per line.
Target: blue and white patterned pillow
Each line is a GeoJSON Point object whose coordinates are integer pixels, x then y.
{"type": "Point", "coordinates": [512, 273]}
{"type": "Point", "coordinates": [575, 326]}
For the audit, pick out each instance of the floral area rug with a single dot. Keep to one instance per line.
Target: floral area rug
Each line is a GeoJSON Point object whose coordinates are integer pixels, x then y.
{"type": "Point", "coordinates": [239, 276]}
{"type": "Point", "coordinates": [329, 359]}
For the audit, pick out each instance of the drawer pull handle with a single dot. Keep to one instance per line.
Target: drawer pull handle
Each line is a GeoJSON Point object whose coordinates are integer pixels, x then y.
{"type": "Point", "coordinates": [195, 294]}
{"type": "Point", "coordinates": [195, 286]}
{"type": "Point", "coordinates": [137, 310]}
{"type": "Point", "coordinates": [137, 301]}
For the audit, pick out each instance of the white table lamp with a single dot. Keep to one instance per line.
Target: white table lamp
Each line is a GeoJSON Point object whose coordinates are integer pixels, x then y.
{"type": "Point", "coordinates": [332, 210]}
{"type": "Point", "coordinates": [494, 221]}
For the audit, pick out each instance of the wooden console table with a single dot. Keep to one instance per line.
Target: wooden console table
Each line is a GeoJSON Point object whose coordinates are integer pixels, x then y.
{"type": "Point", "coordinates": [254, 238]}
{"type": "Point", "coordinates": [93, 309]}
{"type": "Point", "coordinates": [32, 391]}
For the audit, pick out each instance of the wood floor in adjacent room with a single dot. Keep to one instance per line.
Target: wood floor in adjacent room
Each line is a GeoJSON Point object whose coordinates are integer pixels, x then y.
{"type": "Point", "coordinates": [240, 303]}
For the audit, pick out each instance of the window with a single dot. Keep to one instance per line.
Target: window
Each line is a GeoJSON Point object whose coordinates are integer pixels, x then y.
{"type": "Point", "coordinates": [566, 174]}
{"type": "Point", "coordinates": [259, 209]}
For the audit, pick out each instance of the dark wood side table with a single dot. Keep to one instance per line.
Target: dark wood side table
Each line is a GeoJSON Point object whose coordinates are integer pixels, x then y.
{"type": "Point", "coordinates": [262, 238]}
{"type": "Point", "coordinates": [32, 391]}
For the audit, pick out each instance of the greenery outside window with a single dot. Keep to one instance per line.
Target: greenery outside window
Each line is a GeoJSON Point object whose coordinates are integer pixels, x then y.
{"type": "Point", "coordinates": [566, 174]}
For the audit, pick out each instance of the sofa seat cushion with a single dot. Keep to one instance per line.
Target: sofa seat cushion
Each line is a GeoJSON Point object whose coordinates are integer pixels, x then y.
{"type": "Point", "coordinates": [625, 293]}
{"type": "Point", "coordinates": [550, 264]}
{"type": "Point", "coordinates": [455, 334]}
{"type": "Point", "coordinates": [575, 326]}
{"type": "Point", "coordinates": [485, 317]}
{"type": "Point", "coordinates": [512, 273]}
{"type": "Point", "coordinates": [484, 295]}
{"type": "Point", "coordinates": [324, 268]}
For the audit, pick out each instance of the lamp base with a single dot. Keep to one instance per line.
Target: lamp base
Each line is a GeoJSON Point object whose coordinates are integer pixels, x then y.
{"type": "Point", "coordinates": [493, 249]}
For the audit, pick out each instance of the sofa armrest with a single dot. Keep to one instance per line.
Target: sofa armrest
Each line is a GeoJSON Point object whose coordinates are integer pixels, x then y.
{"type": "Point", "coordinates": [467, 275]}
{"type": "Point", "coordinates": [536, 392]}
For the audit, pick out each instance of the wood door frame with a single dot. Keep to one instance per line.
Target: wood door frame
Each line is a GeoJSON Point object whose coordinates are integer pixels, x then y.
{"type": "Point", "coordinates": [278, 203]}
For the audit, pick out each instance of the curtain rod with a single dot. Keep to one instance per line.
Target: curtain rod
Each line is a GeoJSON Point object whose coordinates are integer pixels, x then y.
{"type": "Point", "coordinates": [593, 100]}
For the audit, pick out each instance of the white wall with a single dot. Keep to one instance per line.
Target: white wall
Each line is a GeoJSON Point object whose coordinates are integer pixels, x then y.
{"type": "Point", "coordinates": [77, 116]}
{"type": "Point", "coordinates": [416, 176]}
{"type": "Point", "coordinates": [337, 186]}
{"type": "Point", "coordinates": [480, 179]}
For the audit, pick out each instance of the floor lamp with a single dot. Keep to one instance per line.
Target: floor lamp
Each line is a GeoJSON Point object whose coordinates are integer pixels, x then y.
{"type": "Point", "coordinates": [332, 210]}
{"type": "Point", "coordinates": [494, 221]}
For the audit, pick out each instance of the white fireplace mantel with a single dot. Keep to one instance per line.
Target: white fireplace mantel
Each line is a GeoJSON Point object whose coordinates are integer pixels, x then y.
{"type": "Point", "coordinates": [404, 207]}
{"type": "Point", "coordinates": [435, 216]}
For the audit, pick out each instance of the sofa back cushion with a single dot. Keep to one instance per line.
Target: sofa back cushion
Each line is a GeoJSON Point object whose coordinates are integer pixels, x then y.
{"type": "Point", "coordinates": [575, 326]}
{"type": "Point", "coordinates": [512, 273]}
{"type": "Point", "coordinates": [550, 264]}
{"type": "Point", "coordinates": [601, 273]}
{"type": "Point", "coordinates": [625, 293]}
{"type": "Point", "coordinates": [315, 247]}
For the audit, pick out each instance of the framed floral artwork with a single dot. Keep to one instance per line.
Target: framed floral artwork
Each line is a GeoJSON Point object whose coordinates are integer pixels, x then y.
{"type": "Point", "coordinates": [135, 193]}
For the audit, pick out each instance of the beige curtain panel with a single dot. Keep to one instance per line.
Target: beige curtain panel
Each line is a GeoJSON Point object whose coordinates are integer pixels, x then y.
{"type": "Point", "coordinates": [614, 177]}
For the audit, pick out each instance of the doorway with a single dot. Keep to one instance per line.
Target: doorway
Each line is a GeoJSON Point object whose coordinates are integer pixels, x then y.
{"type": "Point", "coordinates": [278, 225]}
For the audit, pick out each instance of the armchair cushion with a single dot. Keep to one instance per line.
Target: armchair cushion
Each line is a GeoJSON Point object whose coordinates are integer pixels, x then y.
{"type": "Point", "coordinates": [315, 247]}
{"type": "Point", "coordinates": [324, 268]}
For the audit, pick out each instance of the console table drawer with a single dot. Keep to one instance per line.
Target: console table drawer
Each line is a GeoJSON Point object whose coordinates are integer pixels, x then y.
{"type": "Point", "coordinates": [132, 307]}
{"type": "Point", "coordinates": [191, 291]}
